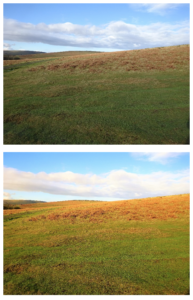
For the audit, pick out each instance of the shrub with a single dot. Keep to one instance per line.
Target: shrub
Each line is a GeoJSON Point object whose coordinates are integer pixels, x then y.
{"type": "Point", "coordinates": [16, 207]}
{"type": "Point", "coordinates": [11, 57]}
{"type": "Point", "coordinates": [8, 206]}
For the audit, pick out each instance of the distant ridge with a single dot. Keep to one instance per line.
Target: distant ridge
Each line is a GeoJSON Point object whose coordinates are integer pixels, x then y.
{"type": "Point", "coordinates": [14, 202]}
{"type": "Point", "coordinates": [20, 52]}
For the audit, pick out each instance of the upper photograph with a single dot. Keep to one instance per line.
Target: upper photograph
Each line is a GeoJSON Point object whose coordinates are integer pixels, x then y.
{"type": "Point", "coordinates": [96, 74]}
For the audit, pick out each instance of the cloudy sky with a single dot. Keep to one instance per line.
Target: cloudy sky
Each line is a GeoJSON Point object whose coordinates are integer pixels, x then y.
{"type": "Point", "coordinates": [95, 176]}
{"type": "Point", "coordinates": [101, 27]}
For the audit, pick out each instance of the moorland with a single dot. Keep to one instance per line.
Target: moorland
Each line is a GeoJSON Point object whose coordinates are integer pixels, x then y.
{"type": "Point", "coordinates": [124, 97]}
{"type": "Point", "coordinates": [130, 247]}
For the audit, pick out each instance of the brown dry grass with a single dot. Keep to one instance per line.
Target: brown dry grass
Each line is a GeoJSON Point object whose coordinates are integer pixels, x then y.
{"type": "Point", "coordinates": [160, 59]}
{"type": "Point", "coordinates": [160, 208]}
{"type": "Point", "coordinates": [15, 268]}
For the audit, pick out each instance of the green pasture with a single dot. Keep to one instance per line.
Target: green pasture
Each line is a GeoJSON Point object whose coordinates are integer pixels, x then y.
{"type": "Point", "coordinates": [108, 104]}
{"type": "Point", "coordinates": [78, 257]}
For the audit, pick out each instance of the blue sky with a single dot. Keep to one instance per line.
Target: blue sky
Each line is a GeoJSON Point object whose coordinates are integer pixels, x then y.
{"type": "Point", "coordinates": [101, 27]}
{"type": "Point", "coordinates": [94, 175]}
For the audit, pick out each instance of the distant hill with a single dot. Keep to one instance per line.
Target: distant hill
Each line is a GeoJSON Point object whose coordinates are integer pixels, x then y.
{"type": "Point", "coordinates": [20, 52]}
{"type": "Point", "coordinates": [18, 202]}
{"type": "Point", "coordinates": [17, 54]}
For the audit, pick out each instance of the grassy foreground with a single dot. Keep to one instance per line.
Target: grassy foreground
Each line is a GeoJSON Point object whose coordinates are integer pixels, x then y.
{"type": "Point", "coordinates": [126, 97]}
{"type": "Point", "coordinates": [136, 247]}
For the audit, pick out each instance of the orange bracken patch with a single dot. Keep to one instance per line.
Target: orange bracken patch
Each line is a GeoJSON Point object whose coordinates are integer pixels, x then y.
{"type": "Point", "coordinates": [155, 208]}
{"type": "Point", "coordinates": [159, 59]}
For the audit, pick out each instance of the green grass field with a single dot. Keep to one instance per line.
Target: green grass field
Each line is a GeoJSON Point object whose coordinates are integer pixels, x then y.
{"type": "Point", "coordinates": [136, 247]}
{"type": "Point", "coordinates": [127, 97]}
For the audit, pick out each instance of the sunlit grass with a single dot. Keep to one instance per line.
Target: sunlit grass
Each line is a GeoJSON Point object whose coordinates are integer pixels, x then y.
{"type": "Point", "coordinates": [134, 247]}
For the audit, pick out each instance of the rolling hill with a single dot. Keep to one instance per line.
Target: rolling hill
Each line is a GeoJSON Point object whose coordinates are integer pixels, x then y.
{"type": "Point", "coordinates": [20, 52]}
{"type": "Point", "coordinates": [130, 247]}
{"type": "Point", "coordinates": [124, 97]}
{"type": "Point", "coordinates": [17, 202]}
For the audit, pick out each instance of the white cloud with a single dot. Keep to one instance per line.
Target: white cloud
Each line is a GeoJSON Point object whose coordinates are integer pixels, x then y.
{"type": "Point", "coordinates": [136, 45]}
{"type": "Point", "coordinates": [7, 196]}
{"type": "Point", "coordinates": [160, 157]}
{"type": "Point", "coordinates": [114, 35]}
{"type": "Point", "coordinates": [7, 46]}
{"type": "Point", "coordinates": [115, 184]}
{"type": "Point", "coordinates": [158, 8]}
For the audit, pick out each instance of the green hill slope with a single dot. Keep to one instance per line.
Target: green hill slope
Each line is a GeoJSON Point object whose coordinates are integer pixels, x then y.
{"type": "Point", "coordinates": [126, 97]}
{"type": "Point", "coordinates": [134, 247]}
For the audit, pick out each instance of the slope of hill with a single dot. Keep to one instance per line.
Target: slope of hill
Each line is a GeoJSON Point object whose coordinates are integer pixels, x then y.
{"type": "Point", "coordinates": [125, 97]}
{"type": "Point", "coordinates": [20, 52]}
{"type": "Point", "coordinates": [133, 247]}
{"type": "Point", "coordinates": [37, 54]}
{"type": "Point", "coordinates": [22, 201]}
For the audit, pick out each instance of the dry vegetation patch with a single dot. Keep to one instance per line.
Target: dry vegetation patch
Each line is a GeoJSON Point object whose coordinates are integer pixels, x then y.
{"type": "Point", "coordinates": [17, 268]}
{"type": "Point", "coordinates": [161, 208]}
{"type": "Point", "coordinates": [160, 59]}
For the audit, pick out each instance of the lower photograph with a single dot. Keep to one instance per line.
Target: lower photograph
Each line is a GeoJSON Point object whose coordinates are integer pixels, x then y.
{"type": "Point", "coordinates": [96, 223]}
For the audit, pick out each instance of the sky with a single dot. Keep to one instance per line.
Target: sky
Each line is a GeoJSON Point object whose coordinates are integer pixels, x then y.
{"type": "Point", "coordinates": [104, 176]}
{"type": "Point", "coordinates": [98, 27]}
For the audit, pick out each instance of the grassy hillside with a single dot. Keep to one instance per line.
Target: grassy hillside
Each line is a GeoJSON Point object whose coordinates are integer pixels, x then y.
{"type": "Point", "coordinates": [126, 97]}
{"type": "Point", "coordinates": [31, 55]}
{"type": "Point", "coordinates": [135, 247]}
{"type": "Point", "coordinates": [13, 202]}
{"type": "Point", "coordinates": [20, 52]}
